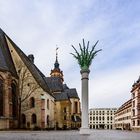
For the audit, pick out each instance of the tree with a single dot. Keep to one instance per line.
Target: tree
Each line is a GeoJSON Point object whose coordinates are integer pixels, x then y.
{"type": "Point", "coordinates": [27, 86]}
{"type": "Point", "coordinates": [85, 57]}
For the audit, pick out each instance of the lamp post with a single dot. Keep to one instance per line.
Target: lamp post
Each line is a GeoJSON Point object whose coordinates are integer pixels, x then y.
{"type": "Point", "coordinates": [84, 59]}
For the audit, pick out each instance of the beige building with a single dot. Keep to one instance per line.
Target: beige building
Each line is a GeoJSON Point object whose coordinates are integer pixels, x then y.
{"type": "Point", "coordinates": [123, 116]}
{"type": "Point", "coordinates": [45, 102]}
{"type": "Point", "coordinates": [67, 102]}
{"type": "Point", "coordinates": [101, 118]}
{"type": "Point", "coordinates": [135, 92]}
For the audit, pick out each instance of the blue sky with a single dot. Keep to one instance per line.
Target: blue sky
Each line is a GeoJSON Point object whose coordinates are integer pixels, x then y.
{"type": "Point", "coordinates": [37, 26]}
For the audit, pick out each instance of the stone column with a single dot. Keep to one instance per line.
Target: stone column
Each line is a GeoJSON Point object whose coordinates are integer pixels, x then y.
{"type": "Point", "coordinates": [85, 119]}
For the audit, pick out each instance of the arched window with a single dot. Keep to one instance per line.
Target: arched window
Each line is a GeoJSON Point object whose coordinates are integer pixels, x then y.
{"type": "Point", "coordinates": [32, 102]}
{"type": "Point", "coordinates": [1, 97]}
{"type": "Point", "coordinates": [23, 118]}
{"type": "Point", "coordinates": [34, 119]}
{"type": "Point", "coordinates": [14, 100]}
{"type": "Point", "coordinates": [48, 103]}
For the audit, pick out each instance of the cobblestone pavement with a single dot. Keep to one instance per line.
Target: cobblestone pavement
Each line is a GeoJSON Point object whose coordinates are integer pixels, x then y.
{"type": "Point", "coordinates": [69, 135]}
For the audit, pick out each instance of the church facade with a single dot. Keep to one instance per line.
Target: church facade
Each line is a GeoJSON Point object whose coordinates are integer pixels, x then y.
{"type": "Point", "coordinates": [30, 99]}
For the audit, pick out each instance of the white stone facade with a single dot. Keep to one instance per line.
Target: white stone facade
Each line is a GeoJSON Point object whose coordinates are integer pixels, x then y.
{"type": "Point", "coordinates": [101, 118]}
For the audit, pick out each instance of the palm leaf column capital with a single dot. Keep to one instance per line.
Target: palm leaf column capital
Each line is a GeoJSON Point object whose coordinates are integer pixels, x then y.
{"type": "Point", "coordinates": [85, 56]}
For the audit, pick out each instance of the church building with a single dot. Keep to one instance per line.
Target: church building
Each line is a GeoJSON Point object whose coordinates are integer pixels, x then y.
{"type": "Point", "coordinates": [28, 98]}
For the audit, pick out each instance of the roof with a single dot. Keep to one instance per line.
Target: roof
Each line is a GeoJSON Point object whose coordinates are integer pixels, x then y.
{"type": "Point", "coordinates": [61, 96]}
{"type": "Point", "coordinates": [54, 83]}
{"type": "Point", "coordinates": [72, 93]}
{"type": "Point", "coordinates": [66, 94]}
{"type": "Point", "coordinates": [6, 61]}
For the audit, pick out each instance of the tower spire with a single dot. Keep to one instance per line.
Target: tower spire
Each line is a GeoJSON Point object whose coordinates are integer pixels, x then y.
{"type": "Point", "coordinates": [56, 72]}
{"type": "Point", "coordinates": [56, 64]}
{"type": "Point", "coordinates": [57, 54]}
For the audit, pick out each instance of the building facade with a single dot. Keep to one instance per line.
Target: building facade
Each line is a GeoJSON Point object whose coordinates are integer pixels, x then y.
{"type": "Point", "coordinates": [29, 97]}
{"type": "Point", "coordinates": [67, 102]}
{"type": "Point", "coordinates": [135, 94]}
{"type": "Point", "coordinates": [123, 116]}
{"type": "Point", "coordinates": [101, 118]}
{"type": "Point", "coordinates": [127, 116]}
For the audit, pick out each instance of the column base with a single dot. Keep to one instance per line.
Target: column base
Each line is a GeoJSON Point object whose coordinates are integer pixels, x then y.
{"type": "Point", "coordinates": [84, 131]}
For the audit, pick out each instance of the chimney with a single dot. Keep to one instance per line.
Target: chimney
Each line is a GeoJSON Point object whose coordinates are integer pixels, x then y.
{"type": "Point", "coordinates": [31, 57]}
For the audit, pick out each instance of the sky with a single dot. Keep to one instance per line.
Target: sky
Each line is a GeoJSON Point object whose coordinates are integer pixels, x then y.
{"type": "Point", "coordinates": [39, 26]}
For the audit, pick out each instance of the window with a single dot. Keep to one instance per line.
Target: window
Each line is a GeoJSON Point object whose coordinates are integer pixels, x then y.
{"type": "Point", "coordinates": [138, 122]}
{"type": "Point", "coordinates": [1, 97]}
{"type": "Point", "coordinates": [34, 119]}
{"type": "Point", "coordinates": [97, 118]}
{"type": "Point", "coordinates": [133, 103]}
{"type": "Point", "coordinates": [14, 100]}
{"type": "Point", "coordinates": [32, 102]}
{"type": "Point", "coordinates": [103, 118]}
{"type": "Point", "coordinates": [65, 117]}
{"type": "Point", "coordinates": [76, 107]}
{"type": "Point", "coordinates": [133, 112]}
{"type": "Point", "coordinates": [23, 118]}
{"type": "Point", "coordinates": [133, 123]}
{"type": "Point", "coordinates": [111, 117]}
{"type": "Point", "coordinates": [48, 103]}
{"type": "Point", "coordinates": [48, 119]}
{"type": "Point", "coordinates": [65, 109]}
{"type": "Point", "coordinates": [108, 118]}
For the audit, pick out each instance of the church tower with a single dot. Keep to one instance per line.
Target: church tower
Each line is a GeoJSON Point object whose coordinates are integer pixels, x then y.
{"type": "Point", "coordinates": [56, 72]}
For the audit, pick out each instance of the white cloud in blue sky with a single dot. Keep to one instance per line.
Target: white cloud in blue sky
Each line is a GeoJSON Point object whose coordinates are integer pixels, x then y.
{"type": "Point", "coordinates": [37, 26]}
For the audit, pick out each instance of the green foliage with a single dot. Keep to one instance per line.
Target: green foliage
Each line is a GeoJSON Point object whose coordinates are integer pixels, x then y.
{"type": "Point", "coordinates": [85, 57]}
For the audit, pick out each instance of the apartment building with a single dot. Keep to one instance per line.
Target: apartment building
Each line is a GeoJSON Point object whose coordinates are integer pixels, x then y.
{"type": "Point", "coordinates": [123, 116]}
{"type": "Point", "coordinates": [101, 118]}
{"type": "Point", "coordinates": [135, 94]}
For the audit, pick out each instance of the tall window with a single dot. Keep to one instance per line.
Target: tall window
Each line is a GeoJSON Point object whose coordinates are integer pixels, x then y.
{"type": "Point", "coordinates": [32, 102]}
{"type": "Point", "coordinates": [138, 122]}
{"type": "Point", "coordinates": [65, 117]}
{"type": "Point", "coordinates": [34, 119]}
{"type": "Point", "coordinates": [76, 107]}
{"type": "Point", "coordinates": [133, 112]}
{"type": "Point", "coordinates": [133, 103]}
{"type": "Point", "coordinates": [1, 97]}
{"type": "Point", "coordinates": [48, 103]}
{"type": "Point", "coordinates": [14, 100]}
{"type": "Point", "coordinates": [134, 123]}
{"type": "Point", "coordinates": [48, 120]}
{"type": "Point", "coordinates": [23, 119]}
{"type": "Point", "coordinates": [65, 110]}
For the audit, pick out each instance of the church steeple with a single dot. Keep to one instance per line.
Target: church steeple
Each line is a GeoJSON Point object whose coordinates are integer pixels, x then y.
{"type": "Point", "coordinates": [56, 64]}
{"type": "Point", "coordinates": [56, 72]}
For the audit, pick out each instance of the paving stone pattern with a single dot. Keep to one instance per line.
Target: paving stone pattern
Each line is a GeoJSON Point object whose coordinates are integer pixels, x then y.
{"type": "Point", "coordinates": [69, 135]}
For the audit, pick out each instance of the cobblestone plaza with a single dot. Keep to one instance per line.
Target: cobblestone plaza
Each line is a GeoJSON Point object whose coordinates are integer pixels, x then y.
{"type": "Point", "coordinates": [69, 135]}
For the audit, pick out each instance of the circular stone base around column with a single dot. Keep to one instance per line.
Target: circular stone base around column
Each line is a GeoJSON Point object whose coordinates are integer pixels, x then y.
{"type": "Point", "coordinates": [84, 131]}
